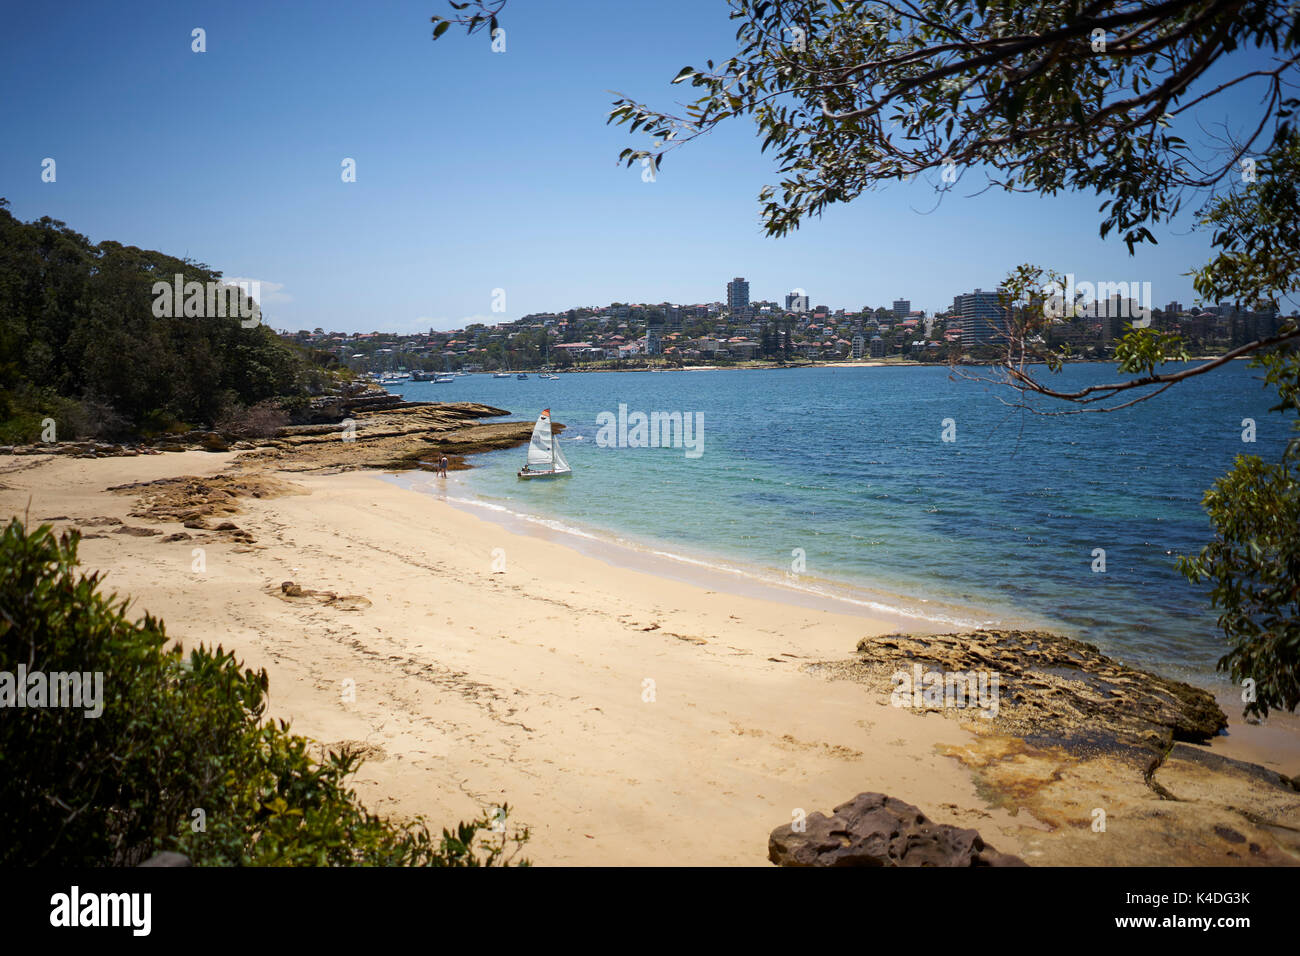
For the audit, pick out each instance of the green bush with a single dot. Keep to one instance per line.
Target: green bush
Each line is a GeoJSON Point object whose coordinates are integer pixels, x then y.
{"type": "Point", "coordinates": [181, 740]}
{"type": "Point", "coordinates": [1253, 563]}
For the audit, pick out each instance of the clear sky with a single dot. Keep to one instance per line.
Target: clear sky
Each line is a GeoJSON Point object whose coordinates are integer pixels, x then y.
{"type": "Point", "coordinates": [475, 170]}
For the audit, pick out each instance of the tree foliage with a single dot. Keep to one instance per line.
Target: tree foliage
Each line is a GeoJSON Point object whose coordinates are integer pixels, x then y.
{"type": "Point", "coordinates": [1042, 97]}
{"type": "Point", "coordinates": [1253, 563]}
{"type": "Point", "coordinates": [79, 341]}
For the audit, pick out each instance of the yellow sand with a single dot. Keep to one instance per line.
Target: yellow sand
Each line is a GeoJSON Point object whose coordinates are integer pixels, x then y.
{"type": "Point", "coordinates": [626, 718]}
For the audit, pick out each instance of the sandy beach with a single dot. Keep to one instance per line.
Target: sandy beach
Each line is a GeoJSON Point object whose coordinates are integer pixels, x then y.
{"type": "Point", "coordinates": [625, 717]}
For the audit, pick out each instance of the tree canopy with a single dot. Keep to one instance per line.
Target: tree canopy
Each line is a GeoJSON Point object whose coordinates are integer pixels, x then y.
{"type": "Point", "coordinates": [1040, 97]}
{"type": "Point", "coordinates": [80, 341]}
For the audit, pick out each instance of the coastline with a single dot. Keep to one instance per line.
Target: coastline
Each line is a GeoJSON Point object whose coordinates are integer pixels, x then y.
{"type": "Point", "coordinates": [1275, 743]}
{"type": "Point", "coordinates": [756, 366]}
{"type": "Point", "coordinates": [527, 683]}
{"type": "Point", "coordinates": [722, 573]}
{"type": "Point", "coordinates": [526, 686]}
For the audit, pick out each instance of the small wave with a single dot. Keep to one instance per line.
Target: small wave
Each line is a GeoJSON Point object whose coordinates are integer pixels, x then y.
{"type": "Point", "coordinates": [833, 594]}
{"type": "Point", "coordinates": [551, 523]}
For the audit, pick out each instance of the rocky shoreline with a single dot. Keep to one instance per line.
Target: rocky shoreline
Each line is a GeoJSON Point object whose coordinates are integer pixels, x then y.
{"type": "Point", "coordinates": [359, 428]}
{"type": "Point", "coordinates": [1103, 755]}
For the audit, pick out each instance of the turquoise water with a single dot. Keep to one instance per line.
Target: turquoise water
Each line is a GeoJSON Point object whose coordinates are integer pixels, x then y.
{"type": "Point", "coordinates": [849, 465]}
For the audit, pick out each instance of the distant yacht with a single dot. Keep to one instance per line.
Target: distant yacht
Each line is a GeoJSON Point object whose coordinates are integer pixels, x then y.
{"type": "Point", "coordinates": [522, 375]}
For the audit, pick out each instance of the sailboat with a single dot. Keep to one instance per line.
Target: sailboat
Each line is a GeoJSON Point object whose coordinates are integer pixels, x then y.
{"type": "Point", "coordinates": [545, 460]}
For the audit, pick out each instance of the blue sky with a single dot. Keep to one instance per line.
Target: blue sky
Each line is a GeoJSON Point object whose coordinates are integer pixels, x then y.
{"type": "Point", "coordinates": [476, 170]}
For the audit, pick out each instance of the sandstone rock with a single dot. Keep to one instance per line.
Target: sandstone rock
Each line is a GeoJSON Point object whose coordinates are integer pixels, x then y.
{"type": "Point", "coordinates": [873, 829]}
{"type": "Point", "coordinates": [345, 602]}
{"type": "Point", "coordinates": [1052, 688]}
{"type": "Point", "coordinates": [211, 441]}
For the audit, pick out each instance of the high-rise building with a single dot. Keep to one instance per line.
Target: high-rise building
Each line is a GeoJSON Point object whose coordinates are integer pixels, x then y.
{"type": "Point", "coordinates": [797, 301]}
{"type": "Point", "coordinates": [652, 340]}
{"type": "Point", "coordinates": [983, 320]}
{"type": "Point", "coordinates": [1173, 308]}
{"type": "Point", "coordinates": [738, 295]}
{"type": "Point", "coordinates": [902, 309]}
{"type": "Point", "coordinates": [1115, 316]}
{"type": "Point", "coordinates": [859, 345]}
{"type": "Point", "coordinates": [1249, 325]}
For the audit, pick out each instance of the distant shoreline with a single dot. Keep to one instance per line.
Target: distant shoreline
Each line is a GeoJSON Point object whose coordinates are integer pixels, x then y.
{"type": "Point", "coordinates": [865, 363]}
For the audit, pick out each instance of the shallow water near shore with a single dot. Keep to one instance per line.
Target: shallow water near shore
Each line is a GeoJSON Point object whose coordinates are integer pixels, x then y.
{"type": "Point", "coordinates": [837, 482]}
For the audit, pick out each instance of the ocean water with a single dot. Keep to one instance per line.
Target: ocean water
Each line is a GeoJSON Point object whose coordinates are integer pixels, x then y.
{"type": "Point", "coordinates": [838, 480]}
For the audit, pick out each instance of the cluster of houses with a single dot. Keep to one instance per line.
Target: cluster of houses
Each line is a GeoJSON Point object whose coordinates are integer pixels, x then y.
{"type": "Point", "coordinates": [740, 331]}
{"type": "Point", "coordinates": [700, 333]}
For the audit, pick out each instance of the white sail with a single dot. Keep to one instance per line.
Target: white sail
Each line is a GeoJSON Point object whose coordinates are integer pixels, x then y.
{"type": "Point", "coordinates": [560, 463]}
{"type": "Point", "coordinates": [540, 448]}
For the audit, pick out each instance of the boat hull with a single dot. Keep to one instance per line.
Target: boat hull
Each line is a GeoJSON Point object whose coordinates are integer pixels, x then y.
{"type": "Point", "coordinates": [543, 474]}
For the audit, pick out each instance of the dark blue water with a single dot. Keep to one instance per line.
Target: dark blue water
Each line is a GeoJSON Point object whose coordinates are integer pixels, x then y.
{"type": "Point", "coordinates": [849, 465]}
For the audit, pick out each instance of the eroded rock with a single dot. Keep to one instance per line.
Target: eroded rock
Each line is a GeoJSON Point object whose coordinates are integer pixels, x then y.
{"type": "Point", "coordinates": [1050, 689]}
{"type": "Point", "coordinates": [873, 829]}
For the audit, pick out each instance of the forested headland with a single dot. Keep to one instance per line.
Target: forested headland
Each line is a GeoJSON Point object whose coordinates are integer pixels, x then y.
{"type": "Point", "coordinates": [81, 344]}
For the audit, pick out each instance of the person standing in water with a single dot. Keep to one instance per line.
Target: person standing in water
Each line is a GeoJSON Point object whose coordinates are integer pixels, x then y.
{"type": "Point", "coordinates": [442, 466]}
